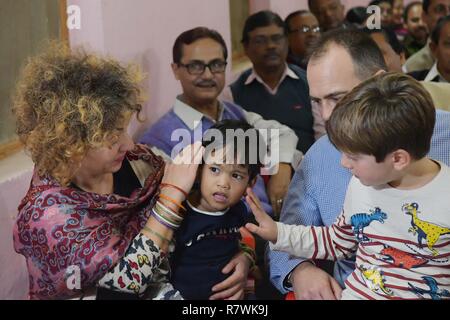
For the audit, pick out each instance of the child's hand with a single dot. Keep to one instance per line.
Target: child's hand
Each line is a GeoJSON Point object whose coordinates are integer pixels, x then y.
{"type": "Point", "coordinates": [267, 227]}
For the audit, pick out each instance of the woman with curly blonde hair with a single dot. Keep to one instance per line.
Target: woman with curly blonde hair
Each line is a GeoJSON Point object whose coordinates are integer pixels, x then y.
{"type": "Point", "coordinates": [100, 211]}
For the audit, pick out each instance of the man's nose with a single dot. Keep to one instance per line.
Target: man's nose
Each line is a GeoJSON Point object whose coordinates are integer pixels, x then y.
{"type": "Point", "coordinates": [271, 43]}
{"type": "Point", "coordinates": [207, 73]}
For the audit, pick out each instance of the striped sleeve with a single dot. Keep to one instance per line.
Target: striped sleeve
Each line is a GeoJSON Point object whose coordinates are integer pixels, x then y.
{"type": "Point", "coordinates": [334, 242]}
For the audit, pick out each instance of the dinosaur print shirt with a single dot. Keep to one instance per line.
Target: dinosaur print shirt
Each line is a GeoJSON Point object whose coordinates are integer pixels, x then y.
{"type": "Point", "coordinates": [401, 239]}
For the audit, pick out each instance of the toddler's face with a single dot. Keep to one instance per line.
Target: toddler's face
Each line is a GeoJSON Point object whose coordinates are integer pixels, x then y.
{"type": "Point", "coordinates": [222, 185]}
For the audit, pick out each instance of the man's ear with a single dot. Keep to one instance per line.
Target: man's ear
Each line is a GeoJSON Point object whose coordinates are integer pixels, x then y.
{"type": "Point", "coordinates": [175, 70]}
{"type": "Point", "coordinates": [400, 159]}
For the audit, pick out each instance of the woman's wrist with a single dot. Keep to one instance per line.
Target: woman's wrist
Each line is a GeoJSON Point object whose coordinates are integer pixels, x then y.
{"type": "Point", "coordinates": [165, 187]}
{"type": "Point", "coordinates": [173, 194]}
{"type": "Point", "coordinates": [158, 233]}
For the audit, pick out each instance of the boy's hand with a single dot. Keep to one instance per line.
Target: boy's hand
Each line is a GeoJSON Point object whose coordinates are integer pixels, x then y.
{"type": "Point", "coordinates": [267, 228]}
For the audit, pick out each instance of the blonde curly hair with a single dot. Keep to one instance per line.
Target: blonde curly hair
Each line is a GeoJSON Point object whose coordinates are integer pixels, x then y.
{"type": "Point", "coordinates": [68, 102]}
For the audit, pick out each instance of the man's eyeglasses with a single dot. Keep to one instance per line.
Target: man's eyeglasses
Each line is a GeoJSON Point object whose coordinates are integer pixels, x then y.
{"type": "Point", "coordinates": [264, 40]}
{"type": "Point", "coordinates": [198, 67]}
{"type": "Point", "coordinates": [306, 29]}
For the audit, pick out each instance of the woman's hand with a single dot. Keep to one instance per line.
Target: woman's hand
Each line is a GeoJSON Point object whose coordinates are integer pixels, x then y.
{"type": "Point", "coordinates": [183, 170]}
{"type": "Point", "coordinates": [232, 288]}
{"type": "Point", "coordinates": [267, 228]}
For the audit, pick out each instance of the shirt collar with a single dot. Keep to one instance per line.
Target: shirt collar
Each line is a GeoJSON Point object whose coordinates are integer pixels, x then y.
{"type": "Point", "coordinates": [189, 115]}
{"type": "Point", "coordinates": [208, 213]}
{"type": "Point", "coordinates": [287, 73]}
{"type": "Point", "coordinates": [433, 73]}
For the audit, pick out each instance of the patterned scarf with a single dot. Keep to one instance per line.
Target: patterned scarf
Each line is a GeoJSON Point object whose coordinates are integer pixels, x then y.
{"type": "Point", "coordinates": [65, 232]}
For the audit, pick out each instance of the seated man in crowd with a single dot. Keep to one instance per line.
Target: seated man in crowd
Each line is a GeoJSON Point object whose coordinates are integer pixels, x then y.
{"type": "Point", "coordinates": [433, 10]}
{"type": "Point", "coordinates": [417, 35]}
{"type": "Point", "coordinates": [317, 190]}
{"type": "Point", "coordinates": [273, 88]}
{"type": "Point", "coordinates": [302, 28]}
{"type": "Point", "coordinates": [330, 13]}
{"type": "Point", "coordinates": [439, 45]}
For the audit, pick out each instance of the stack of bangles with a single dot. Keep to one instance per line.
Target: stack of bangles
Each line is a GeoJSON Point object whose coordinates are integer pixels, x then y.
{"type": "Point", "coordinates": [168, 211]}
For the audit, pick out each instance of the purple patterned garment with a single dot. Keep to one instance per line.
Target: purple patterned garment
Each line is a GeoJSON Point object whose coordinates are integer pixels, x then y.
{"type": "Point", "coordinates": [61, 229]}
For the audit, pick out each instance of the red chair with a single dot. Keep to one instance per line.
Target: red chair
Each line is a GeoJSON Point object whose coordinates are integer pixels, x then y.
{"type": "Point", "coordinates": [249, 240]}
{"type": "Point", "coordinates": [290, 296]}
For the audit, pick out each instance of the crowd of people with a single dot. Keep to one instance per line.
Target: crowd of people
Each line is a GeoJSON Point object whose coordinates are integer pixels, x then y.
{"type": "Point", "coordinates": [356, 207]}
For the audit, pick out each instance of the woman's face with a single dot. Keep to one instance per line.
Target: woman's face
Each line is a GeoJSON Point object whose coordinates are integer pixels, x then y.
{"type": "Point", "coordinates": [108, 159]}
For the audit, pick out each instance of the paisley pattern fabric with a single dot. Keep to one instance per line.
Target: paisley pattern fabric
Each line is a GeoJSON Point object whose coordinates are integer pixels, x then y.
{"type": "Point", "coordinates": [64, 232]}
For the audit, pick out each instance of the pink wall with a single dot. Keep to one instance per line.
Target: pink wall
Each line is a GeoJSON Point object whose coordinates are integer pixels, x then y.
{"type": "Point", "coordinates": [284, 7]}
{"type": "Point", "coordinates": [91, 35]}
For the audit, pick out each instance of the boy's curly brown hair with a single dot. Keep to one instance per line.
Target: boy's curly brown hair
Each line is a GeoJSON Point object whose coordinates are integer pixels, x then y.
{"type": "Point", "coordinates": [68, 102]}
